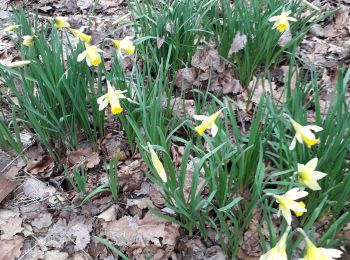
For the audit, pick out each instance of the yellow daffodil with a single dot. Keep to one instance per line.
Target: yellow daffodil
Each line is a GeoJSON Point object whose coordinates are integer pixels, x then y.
{"type": "Point", "coordinates": [319, 253]}
{"type": "Point", "coordinates": [125, 45]}
{"type": "Point", "coordinates": [308, 176]}
{"type": "Point", "coordinates": [91, 54]}
{"type": "Point", "coordinates": [208, 123]}
{"type": "Point", "coordinates": [80, 35]}
{"type": "Point", "coordinates": [11, 28]}
{"type": "Point", "coordinates": [282, 21]}
{"type": "Point", "coordinates": [112, 98]}
{"type": "Point", "coordinates": [157, 163]}
{"type": "Point", "coordinates": [19, 63]}
{"type": "Point", "coordinates": [297, 213]}
{"type": "Point", "coordinates": [304, 133]}
{"type": "Point", "coordinates": [287, 202]}
{"type": "Point", "coordinates": [61, 22]}
{"type": "Point", "coordinates": [279, 251]}
{"type": "Point", "coordinates": [28, 40]}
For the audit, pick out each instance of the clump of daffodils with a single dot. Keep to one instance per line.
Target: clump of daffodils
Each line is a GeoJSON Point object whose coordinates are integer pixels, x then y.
{"type": "Point", "coordinates": [304, 134]}
{"type": "Point", "coordinates": [61, 22]}
{"type": "Point", "coordinates": [282, 21]}
{"type": "Point", "coordinates": [318, 253]}
{"type": "Point", "coordinates": [28, 40]}
{"type": "Point", "coordinates": [157, 163]}
{"type": "Point", "coordinates": [279, 251]}
{"type": "Point", "coordinates": [113, 98]}
{"type": "Point", "coordinates": [208, 122]}
{"type": "Point", "coordinates": [91, 54]}
{"type": "Point", "coordinates": [288, 203]}
{"type": "Point", "coordinates": [125, 45]}
{"type": "Point", "coordinates": [308, 176]}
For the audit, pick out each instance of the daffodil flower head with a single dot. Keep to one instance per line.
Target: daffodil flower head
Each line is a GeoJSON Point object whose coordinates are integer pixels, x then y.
{"type": "Point", "coordinates": [308, 176]}
{"type": "Point", "coordinates": [318, 253]}
{"type": "Point", "coordinates": [304, 134]}
{"type": "Point", "coordinates": [80, 35]}
{"type": "Point", "coordinates": [11, 28]}
{"type": "Point", "coordinates": [125, 45]}
{"type": "Point", "coordinates": [288, 203]}
{"type": "Point", "coordinates": [91, 54]}
{"type": "Point", "coordinates": [157, 163]}
{"type": "Point", "coordinates": [282, 21]}
{"type": "Point", "coordinates": [112, 97]}
{"type": "Point", "coordinates": [208, 122]}
{"type": "Point", "coordinates": [61, 22]}
{"type": "Point", "coordinates": [28, 40]}
{"type": "Point", "coordinates": [279, 251]}
{"type": "Point", "coordinates": [17, 64]}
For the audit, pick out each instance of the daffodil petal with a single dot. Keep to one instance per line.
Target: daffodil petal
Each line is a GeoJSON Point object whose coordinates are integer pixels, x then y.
{"type": "Point", "coordinates": [214, 129]}
{"type": "Point", "coordinates": [200, 117]}
{"type": "Point", "coordinates": [293, 144]}
{"type": "Point", "coordinates": [311, 165]}
{"type": "Point", "coordinates": [286, 213]}
{"type": "Point", "coordinates": [318, 175]}
{"type": "Point", "coordinates": [81, 56]}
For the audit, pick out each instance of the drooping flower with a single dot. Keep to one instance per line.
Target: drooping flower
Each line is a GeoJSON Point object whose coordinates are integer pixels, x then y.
{"type": "Point", "coordinates": [304, 133]}
{"type": "Point", "coordinates": [91, 54]}
{"type": "Point", "coordinates": [125, 45]}
{"type": "Point", "coordinates": [112, 97]}
{"type": "Point", "coordinates": [288, 203]}
{"type": "Point", "coordinates": [19, 63]}
{"type": "Point", "coordinates": [282, 21]}
{"type": "Point", "coordinates": [28, 40]}
{"type": "Point", "coordinates": [208, 123]}
{"type": "Point", "coordinates": [157, 163]}
{"type": "Point", "coordinates": [80, 35]}
{"type": "Point", "coordinates": [279, 251]}
{"type": "Point", "coordinates": [11, 28]}
{"type": "Point", "coordinates": [318, 253]}
{"type": "Point", "coordinates": [61, 22]}
{"type": "Point", "coordinates": [308, 176]}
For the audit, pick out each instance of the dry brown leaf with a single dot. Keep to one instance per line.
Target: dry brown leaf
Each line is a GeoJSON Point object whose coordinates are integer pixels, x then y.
{"type": "Point", "coordinates": [38, 160]}
{"type": "Point", "coordinates": [185, 78]}
{"type": "Point", "coordinates": [11, 249]}
{"type": "Point", "coordinates": [285, 38]}
{"type": "Point", "coordinates": [111, 143]}
{"type": "Point", "coordinates": [131, 175]}
{"type": "Point", "coordinates": [109, 214]}
{"type": "Point", "coordinates": [89, 157]}
{"type": "Point", "coordinates": [238, 43]}
{"type": "Point", "coordinates": [207, 59]}
{"type": "Point", "coordinates": [6, 187]}
{"type": "Point", "coordinates": [177, 152]}
{"type": "Point", "coordinates": [43, 220]}
{"type": "Point", "coordinates": [182, 108]}
{"type": "Point", "coordinates": [55, 254]}
{"type": "Point", "coordinates": [10, 224]}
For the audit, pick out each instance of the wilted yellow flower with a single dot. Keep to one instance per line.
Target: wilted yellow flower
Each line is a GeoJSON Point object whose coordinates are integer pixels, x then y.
{"type": "Point", "coordinates": [11, 28]}
{"type": "Point", "coordinates": [304, 133]}
{"type": "Point", "coordinates": [208, 123]}
{"type": "Point", "coordinates": [282, 21]}
{"type": "Point", "coordinates": [279, 251]}
{"type": "Point", "coordinates": [125, 45]}
{"type": "Point", "coordinates": [157, 163]}
{"type": "Point", "coordinates": [319, 253]}
{"type": "Point", "coordinates": [308, 175]}
{"type": "Point", "coordinates": [112, 98]}
{"type": "Point", "coordinates": [287, 202]}
{"type": "Point", "coordinates": [297, 213]}
{"type": "Point", "coordinates": [61, 22]}
{"type": "Point", "coordinates": [19, 63]}
{"type": "Point", "coordinates": [91, 54]}
{"type": "Point", "coordinates": [80, 35]}
{"type": "Point", "coordinates": [28, 40]}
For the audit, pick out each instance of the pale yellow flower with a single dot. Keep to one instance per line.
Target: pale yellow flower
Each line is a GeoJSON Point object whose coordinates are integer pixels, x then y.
{"type": "Point", "coordinates": [319, 253]}
{"type": "Point", "coordinates": [279, 251]}
{"type": "Point", "coordinates": [112, 98]}
{"type": "Point", "coordinates": [125, 45]}
{"type": "Point", "coordinates": [297, 213]}
{"type": "Point", "coordinates": [28, 40]}
{"type": "Point", "coordinates": [19, 63]}
{"type": "Point", "coordinates": [80, 35]}
{"type": "Point", "coordinates": [308, 176]}
{"type": "Point", "coordinates": [61, 22]}
{"type": "Point", "coordinates": [304, 133]}
{"type": "Point", "coordinates": [208, 123]}
{"type": "Point", "coordinates": [282, 21]}
{"type": "Point", "coordinates": [157, 163]}
{"type": "Point", "coordinates": [288, 203]}
{"type": "Point", "coordinates": [91, 54]}
{"type": "Point", "coordinates": [11, 28]}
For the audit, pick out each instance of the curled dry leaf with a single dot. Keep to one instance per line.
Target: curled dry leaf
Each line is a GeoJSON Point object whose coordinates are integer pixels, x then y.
{"type": "Point", "coordinates": [131, 175]}
{"type": "Point", "coordinates": [238, 43]}
{"type": "Point", "coordinates": [207, 59]}
{"type": "Point", "coordinates": [109, 214]}
{"type": "Point", "coordinates": [89, 157]}
{"type": "Point", "coordinates": [185, 78]}
{"type": "Point", "coordinates": [11, 249]}
{"type": "Point", "coordinates": [38, 160]}
{"type": "Point", "coordinates": [6, 187]}
{"type": "Point", "coordinates": [111, 143]}
{"type": "Point", "coordinates": [177, 152]}
{"type": "Point", "coordinates": [10, 224]}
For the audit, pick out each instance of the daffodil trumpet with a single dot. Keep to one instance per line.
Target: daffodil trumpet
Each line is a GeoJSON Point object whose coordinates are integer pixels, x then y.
{"type": "Point", "coordinates": [78, 33]}
{"type": "Point", "coordinates": [91, 54]}
{"type": "Point", "coordinates": [28, 40]}
{"type": "Point", "coordinates": [61, 22]}
{"type": "Point", "coordinates": [125, 45]}
{"type": "Point", "coordinates": [208, 122]}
